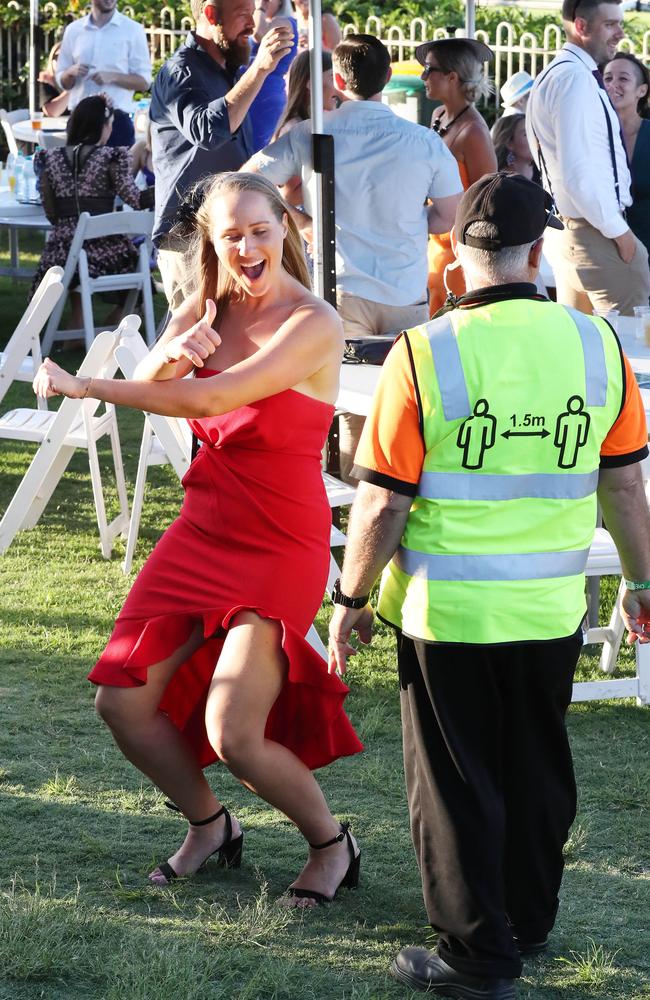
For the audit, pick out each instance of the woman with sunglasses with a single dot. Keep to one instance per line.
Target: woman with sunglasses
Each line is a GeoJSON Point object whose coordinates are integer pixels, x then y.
{"type": "Point", "coordinates": [453, 74]}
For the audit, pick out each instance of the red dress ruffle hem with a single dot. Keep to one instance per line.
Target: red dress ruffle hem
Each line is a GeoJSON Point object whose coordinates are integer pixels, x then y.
{"type": "Point", "coordinates": [253, 532]}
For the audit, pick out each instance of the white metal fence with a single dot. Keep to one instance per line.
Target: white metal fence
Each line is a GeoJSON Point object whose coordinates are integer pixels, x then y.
{"type": "Point", "coordinates": [513, 52]}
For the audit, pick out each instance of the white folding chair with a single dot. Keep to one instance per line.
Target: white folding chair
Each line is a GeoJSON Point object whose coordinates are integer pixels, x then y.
{"type": "Point", "coordinates": [164, 439]}
{"type": "Point", "coordinates": [22, 356]}
{"type": "Point", "coordinates": [75, 424]}
{"type": "Point", "coordinates": [9, 118]}
{"type": "Point", "coordinates": [91, 227]}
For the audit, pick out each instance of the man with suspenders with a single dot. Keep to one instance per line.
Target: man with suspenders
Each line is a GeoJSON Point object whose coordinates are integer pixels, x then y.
{"type": "Point", "coordinates": [575, 137]}
{"type": "Point", "coordinates": [494, 429]}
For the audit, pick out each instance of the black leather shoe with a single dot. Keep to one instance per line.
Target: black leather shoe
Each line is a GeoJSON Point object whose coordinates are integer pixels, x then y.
{"type": "Point", "coordinates": [424, 970]}
{"type": "Point", "coordinates": [531, 947]}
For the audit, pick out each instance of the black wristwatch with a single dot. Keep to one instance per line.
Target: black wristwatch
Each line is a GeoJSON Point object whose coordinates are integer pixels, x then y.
{"type": "Point", "coordinates": [338, 597]}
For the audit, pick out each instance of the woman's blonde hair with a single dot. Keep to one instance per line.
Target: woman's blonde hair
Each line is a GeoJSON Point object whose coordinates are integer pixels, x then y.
{"type": "Point", "coordinates": [460, 58]}
{"type": "Point", "coordinates": [214, 281]}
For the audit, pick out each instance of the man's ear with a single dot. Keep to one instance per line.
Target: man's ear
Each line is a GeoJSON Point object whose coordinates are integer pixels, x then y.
{"type": "Point", "coordinates": [535, 255]}
{"type": "Point", "coordinates": [390, 73]}
{"type": "Point", "coordinates": [453, 240]}
{"type": "Point", "coordinates": [339, 82]}
{"type": "Point", "coordinates": [210, 12]}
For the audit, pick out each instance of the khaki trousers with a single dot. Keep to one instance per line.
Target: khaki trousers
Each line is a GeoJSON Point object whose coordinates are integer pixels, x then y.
{"type": "Point", "coordinates": [589, 273]}
{"type": "Point", "coordinates": [177, 278]}
{"type": "Point", "coordinates": [363, 318]}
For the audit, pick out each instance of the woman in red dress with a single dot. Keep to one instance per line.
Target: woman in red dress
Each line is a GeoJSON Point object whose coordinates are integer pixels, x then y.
{"type": "Point", "coordinates": [208, 658]}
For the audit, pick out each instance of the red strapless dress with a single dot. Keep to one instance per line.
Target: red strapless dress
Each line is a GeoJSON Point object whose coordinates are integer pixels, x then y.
{"type": "Point", "coordinates": [253, 532]}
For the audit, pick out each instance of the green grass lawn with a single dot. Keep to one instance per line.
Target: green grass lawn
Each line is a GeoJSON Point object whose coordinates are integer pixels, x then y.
{"type": "Point", "coordinates": [81, 829]}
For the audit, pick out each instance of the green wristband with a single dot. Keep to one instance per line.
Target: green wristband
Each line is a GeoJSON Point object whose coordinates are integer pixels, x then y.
{"type": "Point", "coordinates": [637, 584]}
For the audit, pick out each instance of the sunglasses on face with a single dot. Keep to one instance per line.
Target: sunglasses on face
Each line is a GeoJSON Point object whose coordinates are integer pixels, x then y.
{"type": "Point", "coordinates": [428, 70]}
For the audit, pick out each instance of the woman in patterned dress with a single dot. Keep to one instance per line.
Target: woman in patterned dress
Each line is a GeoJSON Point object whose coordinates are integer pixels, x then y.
{"type": "Point", "coordinates": [85, 176]}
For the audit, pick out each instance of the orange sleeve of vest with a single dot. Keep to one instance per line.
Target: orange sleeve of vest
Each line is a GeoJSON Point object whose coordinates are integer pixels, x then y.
{"type": "Point", "coordinates": [627, 440]}
{"type": "Point", "coordinates": [391, 449]}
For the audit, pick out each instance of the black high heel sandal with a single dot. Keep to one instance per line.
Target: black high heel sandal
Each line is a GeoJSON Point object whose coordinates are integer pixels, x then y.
{"type": "Point", "coordinates": [230, 851]}
{"type": "Point", "coordinates": [349, 881]}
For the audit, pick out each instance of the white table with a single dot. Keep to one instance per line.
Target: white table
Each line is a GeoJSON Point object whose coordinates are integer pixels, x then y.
{"type": "Point", "coordinates": [55, 128]}
{"type": "Point", "coordinates": [358, 382]}
{"type": "Point", "coordinates": [14, 217]}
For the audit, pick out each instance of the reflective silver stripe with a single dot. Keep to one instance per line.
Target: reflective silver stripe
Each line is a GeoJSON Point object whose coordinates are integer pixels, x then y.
{"type": "Point", "coordinates": [594, 352]}
{"type": "Point", "coordinates": [483, 486]}
{"type": "Point", "coordinates": [511, 566]}
{"type": "Point", "coordinates": [449, 369]}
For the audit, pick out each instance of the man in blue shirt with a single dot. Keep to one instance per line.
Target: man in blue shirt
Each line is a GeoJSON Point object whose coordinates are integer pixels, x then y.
{"type": "Point", "coordinates": [199, 107]}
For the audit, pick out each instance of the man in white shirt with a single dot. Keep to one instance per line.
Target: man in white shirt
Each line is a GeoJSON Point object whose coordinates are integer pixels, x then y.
{"type": "Point", "coordinates": [575, 137]}
{"type": "Point", "coordinates": [105, 51]}
{"type": "Point", "coordinates": [386, 168]}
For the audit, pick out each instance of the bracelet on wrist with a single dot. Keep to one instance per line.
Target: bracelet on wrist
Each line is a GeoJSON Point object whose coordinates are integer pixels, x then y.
{"type": "Point", "coordinates": [89, 382]}
{"type": "Point", "coordinates": [637, 584]}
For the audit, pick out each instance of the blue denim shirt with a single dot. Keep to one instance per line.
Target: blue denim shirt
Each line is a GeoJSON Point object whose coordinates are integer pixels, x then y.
{"type": "Point", "coordinates": [190, 130]}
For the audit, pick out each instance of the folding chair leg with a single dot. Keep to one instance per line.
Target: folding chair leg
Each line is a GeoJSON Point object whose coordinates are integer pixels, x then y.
{"type": "Point", "coordinates": [148, 313]}
{"type": "Point", "coordinates": [316, 642]}
{"type": "Point", "coordinates": [131, 300]}
{"type": "Point", "coordinates": [333, 575]}
{"type": "Point", "coordinates": [14, 252]}
{"type": "Point", "coordinates": [643, 673]}
{"type": "Point", "coordinates": [98, 496]}
{"type": "Point", "coordinates": [120, 482]}
{"type": "Point", "coordinates": [138, 497]}
{"type": "Point", "coordinates": [87, 314]}
{"type": "Point", "coordinates": [53, 325]}
{"type": "Point", "coordinates": [49, 484]}
{"type": "Point", "coordinates": [616, 630]}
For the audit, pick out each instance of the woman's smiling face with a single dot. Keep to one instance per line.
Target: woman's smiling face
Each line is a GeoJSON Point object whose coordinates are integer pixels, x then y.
{"type": "Point", "coordinates": [248, 238]}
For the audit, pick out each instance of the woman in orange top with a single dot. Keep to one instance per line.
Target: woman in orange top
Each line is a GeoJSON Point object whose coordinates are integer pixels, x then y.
{"type": "Point", "coordinates": [453, 74]}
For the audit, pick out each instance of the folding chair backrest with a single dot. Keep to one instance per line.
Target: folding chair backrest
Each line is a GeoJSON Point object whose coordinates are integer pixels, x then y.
{"type": "Point", "coordinates": [25, 338]}
{"type": "Point", "coordinates": [118, 224]}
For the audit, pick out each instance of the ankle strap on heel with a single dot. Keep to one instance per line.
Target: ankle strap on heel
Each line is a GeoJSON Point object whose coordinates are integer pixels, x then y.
{"type": "Point", "coordinates": [345, 832]}
{"type": "Point", "coordinates": [204, 822]}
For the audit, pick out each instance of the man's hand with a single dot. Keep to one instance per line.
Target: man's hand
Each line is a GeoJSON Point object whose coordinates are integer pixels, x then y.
{"type": "Point", "coordinates": [342, 622]}
{"type": "Point", "coordinates": [275, 44]}
{"type": "Point", "coordinates": [197, 343]}
{"type": "Point", "coordinates": [102, 77]}
{"type": "Point", "coordinates": [626, 245]}
{"type": "Point", "coordinates": [78, 71]}
{"type": "Point", "coordinates": [636, 615]}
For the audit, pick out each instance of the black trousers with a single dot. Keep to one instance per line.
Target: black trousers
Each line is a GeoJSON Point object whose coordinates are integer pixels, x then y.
{"type": "Point", "coordinates": [491, 791]}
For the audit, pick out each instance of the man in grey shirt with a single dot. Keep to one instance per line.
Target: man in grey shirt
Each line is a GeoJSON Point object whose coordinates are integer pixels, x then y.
{"type": "Point", "coordinates": [199, 105]}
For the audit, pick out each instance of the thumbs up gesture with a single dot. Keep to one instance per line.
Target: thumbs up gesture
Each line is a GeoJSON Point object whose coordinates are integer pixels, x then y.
{"type": "Point", "coordinates": [197, 343]}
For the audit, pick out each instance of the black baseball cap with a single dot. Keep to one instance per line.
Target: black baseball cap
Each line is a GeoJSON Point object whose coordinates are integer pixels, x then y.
{"type": "Point", "coordinates": [518, 209]}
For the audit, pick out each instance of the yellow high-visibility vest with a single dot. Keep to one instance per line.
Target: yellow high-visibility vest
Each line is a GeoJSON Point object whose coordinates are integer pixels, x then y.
{"type": "Point", "coordinates": [517, 397]}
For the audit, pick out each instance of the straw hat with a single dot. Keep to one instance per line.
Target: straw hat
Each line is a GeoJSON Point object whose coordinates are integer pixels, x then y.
{"type": "Point", "coordinates": [515, 87]}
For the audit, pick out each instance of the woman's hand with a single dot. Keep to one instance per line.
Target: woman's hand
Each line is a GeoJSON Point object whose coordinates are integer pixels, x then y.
{"type": "Point", "coordinates": [197, 343]}
{"type": "Point", "coordinates": [51, 380]}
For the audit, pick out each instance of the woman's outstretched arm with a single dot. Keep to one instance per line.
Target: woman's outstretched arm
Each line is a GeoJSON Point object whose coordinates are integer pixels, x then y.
{"type": "Point", "coordinates": [305, 350]}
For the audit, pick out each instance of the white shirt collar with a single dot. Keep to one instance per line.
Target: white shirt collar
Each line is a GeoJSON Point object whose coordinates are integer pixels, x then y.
{"type": "Point", "coordinates": [115, 21]}
{"type": "Point", "coordinates": [582, 55]}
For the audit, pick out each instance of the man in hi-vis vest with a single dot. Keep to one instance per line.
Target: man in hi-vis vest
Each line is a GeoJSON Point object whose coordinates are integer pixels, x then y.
{"type": "Point", "coordinates": [494, 430]}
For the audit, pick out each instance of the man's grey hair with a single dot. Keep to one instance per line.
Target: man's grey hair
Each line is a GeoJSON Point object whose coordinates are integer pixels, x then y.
{"type": "Point", "coordinates": [496, 266]}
